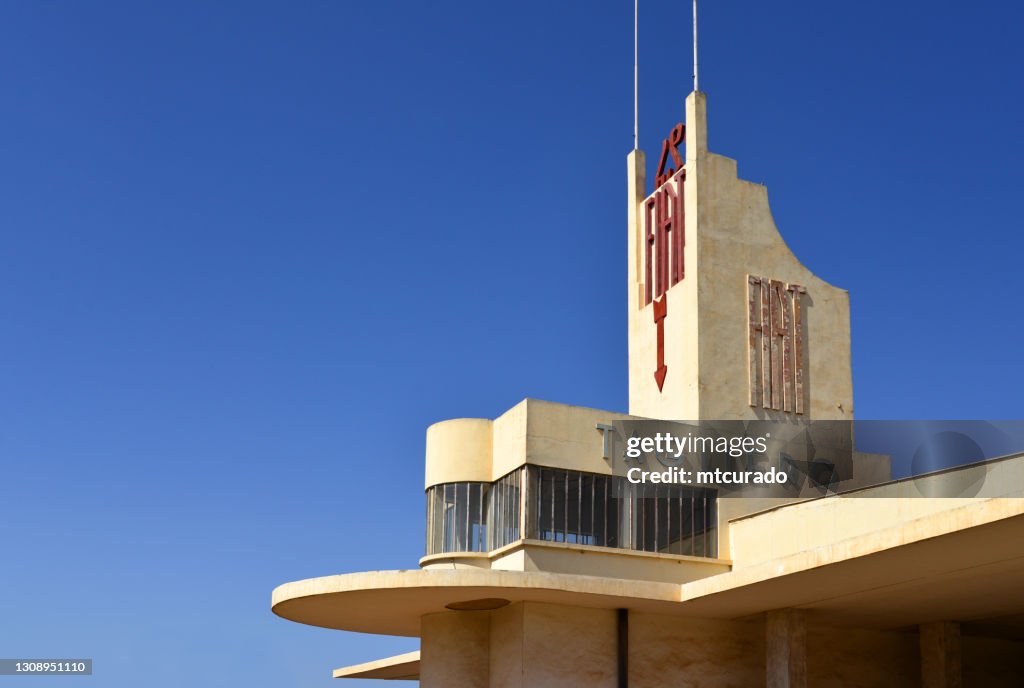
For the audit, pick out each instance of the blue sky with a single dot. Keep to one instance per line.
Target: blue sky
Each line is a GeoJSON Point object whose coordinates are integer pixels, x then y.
{"type": "Point", "coordinates": [251, 250]}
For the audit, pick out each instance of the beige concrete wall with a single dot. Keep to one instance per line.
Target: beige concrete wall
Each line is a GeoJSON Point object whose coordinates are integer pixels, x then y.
{"type": "Point", "coordinates": [860, 658]}
{"type": "Point", "coordinates": [510, 439]}
{"type": "Point", "coordinates": [563, 436]}
{"type": "Point", "coordinates": [545, 433]}
{"type": "Point", "coordinates": [507, 646]}
{"type": "Point", "coordinates": [583, 560]}
{"type": "Point", "coordinates": [459, 450]}
{"type": "Point", "coordinates": [532, 431]}
{"type": "Point", "coordinates": [895, 510]}
{"type": "Point", "coordinates": [535, 645]}
{"type": "Point", "coordinates": [737, 237]}
{"type": "Point", "coordinates": [512, 560]}
{"type": "Point", "coordinates": [595, 561]}
{"type": "Point", "coordinates": [456, 560]}
{"type": "Point", "coordinates": [730, 234]}
{"type": "Point", "coordinates": [856, 658]}
{"type": "Point", "coordinates": [830, 522]}
{"type": "Point", "coordinates": [697, 653]}
{"type": "Point", "coordinates": [563, 641]}
{"type": "Point", "coordinates": [455, 650]}
{"type": "Point", "coordinates": [679, 398]}
{"type": "Point", "coordinates": [731, 509]}
{"type": "Point", "coordinates": [992, 662]}
{"type": "Point", "coordinates": [549, 646]}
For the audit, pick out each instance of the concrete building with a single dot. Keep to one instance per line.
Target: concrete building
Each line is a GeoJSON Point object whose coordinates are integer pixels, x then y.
{"type": "Point", "coordinates": [544, 566]}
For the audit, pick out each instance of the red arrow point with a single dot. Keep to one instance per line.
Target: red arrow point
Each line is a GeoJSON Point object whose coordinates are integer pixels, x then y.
{"type": "Point", "coordinates": [660, 309]}
{"type": "Point", "coordinates": [659, 376]}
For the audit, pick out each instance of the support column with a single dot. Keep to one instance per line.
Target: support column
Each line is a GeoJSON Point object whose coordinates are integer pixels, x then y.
{"type": "Point", "coordinates": [455, 650]}
{"type": "Point", "coordinates": [786, 649]}
{"type": "Point", "coordinates": [940, 655]}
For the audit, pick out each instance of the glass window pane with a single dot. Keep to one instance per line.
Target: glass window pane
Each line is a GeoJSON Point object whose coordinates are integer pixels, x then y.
{"type": "Point", "coordinates": [573, 507]}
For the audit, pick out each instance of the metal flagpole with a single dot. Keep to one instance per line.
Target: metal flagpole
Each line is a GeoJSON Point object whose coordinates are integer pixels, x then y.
{"type": "Point", "coordinates": [636, 74]}
{"type": "Point", "coordinates": [695, 83]}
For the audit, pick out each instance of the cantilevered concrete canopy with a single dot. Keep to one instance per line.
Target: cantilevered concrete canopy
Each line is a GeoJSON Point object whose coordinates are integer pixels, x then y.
{"type": "Point", "coordinates": [965, 562]}
{"type": "Point", "coordinates": [392, 602]}
{"type": "Point", "coordinates": [404, 667]}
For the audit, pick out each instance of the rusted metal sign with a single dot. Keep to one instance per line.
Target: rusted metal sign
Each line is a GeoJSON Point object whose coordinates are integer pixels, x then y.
{"type": "Point", "coordinates": [664, 239]}
{"type": "Point", "coordinates": [776, 344]}
{"type": "Point", "coordinates": [670, 145]}
{"type": "Point", "coordinates": [660, 311]}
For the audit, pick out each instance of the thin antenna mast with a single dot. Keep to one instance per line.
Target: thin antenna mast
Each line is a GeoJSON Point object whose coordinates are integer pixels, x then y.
{"type": "Point", "coordinates": [636, 74]}
{"type": "Point", "coordinates": [695, 86]}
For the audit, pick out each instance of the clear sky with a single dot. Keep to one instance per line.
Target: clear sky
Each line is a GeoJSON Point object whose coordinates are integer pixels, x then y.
{"type": "Point", "coordinates": [251, 250]}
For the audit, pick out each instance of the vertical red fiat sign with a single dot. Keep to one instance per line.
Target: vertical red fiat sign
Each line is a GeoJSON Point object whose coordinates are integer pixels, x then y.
{"type": "Point", "coordinates": [665, 239]}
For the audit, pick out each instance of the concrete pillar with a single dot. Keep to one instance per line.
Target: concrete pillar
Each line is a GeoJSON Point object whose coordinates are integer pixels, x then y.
{"type": "Point", "coordinates": [508, 632]}
{"type": "Point", "coordinates": [536, 645]}
{"type": "Point", "coordinates": [696, 128]}
{"type": "Point", "coordinates": [786, 649]}
{"type": "Point", "coordinates": [940, 655]}
{"type": "Point", "coordinates": [636, 190]}
{"type": "Point", "coordinates": [455, 650]}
